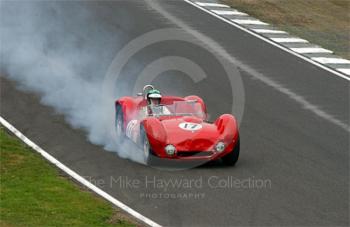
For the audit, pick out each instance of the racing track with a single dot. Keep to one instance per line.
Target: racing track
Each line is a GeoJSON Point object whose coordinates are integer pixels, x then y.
{"type": "Point", "coordinates": [304, 155]}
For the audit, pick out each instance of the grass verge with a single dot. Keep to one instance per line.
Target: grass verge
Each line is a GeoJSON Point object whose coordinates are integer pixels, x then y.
{"type": "Point", "coordinates": [34, 193]}
{"type": "Point", "coordinates": [322, 22]}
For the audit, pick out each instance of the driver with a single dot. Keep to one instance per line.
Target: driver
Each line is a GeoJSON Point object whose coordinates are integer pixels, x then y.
{"type": "Point", "coordinates": [153, 102]}
{"type": "Point", "coordinates": [153, 98]}
{"type": "Point", "coordinates": [153, 107]}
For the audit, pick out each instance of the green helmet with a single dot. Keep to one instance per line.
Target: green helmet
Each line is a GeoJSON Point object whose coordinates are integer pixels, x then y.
{"type": "Point", "coordinates": [153, 94]}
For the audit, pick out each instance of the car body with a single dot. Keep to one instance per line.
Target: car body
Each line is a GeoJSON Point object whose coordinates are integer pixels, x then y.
{"type": "Point", "coordinates": [177, 129]}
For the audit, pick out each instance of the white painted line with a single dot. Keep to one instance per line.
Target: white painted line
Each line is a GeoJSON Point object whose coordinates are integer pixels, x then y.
{"type": "Point", "coordinates": [325, 60]}
{"type": "Point", "coordinates": [249, 21]}
{"type": "Point", "coordinates": [345, 71]}
{"type": "Point", "coordinates": [289, 40]}
{"type": "Point", "coordinates": [269, 41]}
{"type": "Point", "coordinates": [311, 50]}
{"type": "Point", "coordinates": [229, 12]}
{"type": "Point", "coordinates": [210, 4]}
{"type": "Point", "coordinates": [76, 176]}
{"type": "Point", "coordinates": [269, 31]}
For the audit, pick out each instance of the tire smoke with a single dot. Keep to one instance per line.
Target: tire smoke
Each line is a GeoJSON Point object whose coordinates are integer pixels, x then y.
{"type": "Point", "coordinates": [62, 50]}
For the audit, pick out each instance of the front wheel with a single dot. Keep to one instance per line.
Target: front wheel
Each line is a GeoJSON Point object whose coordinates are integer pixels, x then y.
{"type": "Point", "coordinates": [232, 157]}
{"type": "Point", "coordinates": [148, 156]}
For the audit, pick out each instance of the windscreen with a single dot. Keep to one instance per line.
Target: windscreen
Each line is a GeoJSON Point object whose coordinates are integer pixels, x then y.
{"type": "Point", "coordinates": [178, 108]}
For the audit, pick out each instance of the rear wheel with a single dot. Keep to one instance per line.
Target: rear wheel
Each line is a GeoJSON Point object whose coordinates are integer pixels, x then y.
{"type": "Point", "coordinates": [119, 123]}
{"type": "Point", "coordinates": [232, 157]}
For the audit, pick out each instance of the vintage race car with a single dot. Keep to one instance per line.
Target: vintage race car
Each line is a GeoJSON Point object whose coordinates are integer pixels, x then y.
{"type": "Point", "coordinates": [176, 129]}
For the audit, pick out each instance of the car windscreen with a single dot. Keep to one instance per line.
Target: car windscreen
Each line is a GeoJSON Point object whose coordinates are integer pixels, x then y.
{"type": "Point", "coordinates": [178, 108]}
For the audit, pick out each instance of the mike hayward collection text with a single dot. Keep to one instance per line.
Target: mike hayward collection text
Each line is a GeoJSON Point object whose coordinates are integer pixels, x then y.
{"type": "Point", "coordinates": [155, 182]}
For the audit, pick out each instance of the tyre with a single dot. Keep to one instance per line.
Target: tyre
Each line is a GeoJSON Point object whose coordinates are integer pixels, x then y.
{"type": "Point", "coordinates": [232, 157]}
{"type": "Point", "coordinates": [148, 157]}
{"type": "Point", "coordinates": [119, 124]}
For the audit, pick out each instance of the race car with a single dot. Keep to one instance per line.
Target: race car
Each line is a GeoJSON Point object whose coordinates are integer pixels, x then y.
{"type": "Point", "coordinates": [176, 128]}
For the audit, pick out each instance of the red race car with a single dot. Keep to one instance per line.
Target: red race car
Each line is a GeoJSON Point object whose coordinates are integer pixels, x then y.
{"type": "Point", "coordinates": [171, 127]}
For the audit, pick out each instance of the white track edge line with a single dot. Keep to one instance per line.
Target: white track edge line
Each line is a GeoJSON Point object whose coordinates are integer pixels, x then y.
{"type": "Point", "coordinates": [76, 176]}
{"type": "Point", "coordinates": [334, 71]}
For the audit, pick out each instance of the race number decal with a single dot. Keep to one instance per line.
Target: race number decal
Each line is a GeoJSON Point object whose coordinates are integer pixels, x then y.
{"type": "Point", "coordinates": [189, 126]}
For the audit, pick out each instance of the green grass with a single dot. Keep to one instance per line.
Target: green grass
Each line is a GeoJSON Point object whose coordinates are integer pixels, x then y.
{"type": "Point", "coordinates": [34, 193]}
{"type": "Point", "coordinates": [322, 22]}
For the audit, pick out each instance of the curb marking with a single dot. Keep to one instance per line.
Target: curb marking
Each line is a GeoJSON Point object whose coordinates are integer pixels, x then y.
{"type": "Point", "coordinates": [322, 63]}
{"type": "Point", "coordinates": [289, 40]}
{"type": "Point", "coordinates": [331, 60]}
{"type": "Point", "coordinates": [229, 12]}
{"type": "Point", "coordinates": [311, 50]}
{"type": "Point", "coordinates": [249, 21]}
{"type": "Point", "coordinates": [269, 31]}
{"type": "Point", "coordinates": [210, 4]}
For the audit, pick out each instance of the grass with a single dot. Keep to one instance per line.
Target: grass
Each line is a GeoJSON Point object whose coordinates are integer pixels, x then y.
{"type": "Point", "coordinates": [322, 22]}
{"type": "Point", "coordinates": [34, 193]}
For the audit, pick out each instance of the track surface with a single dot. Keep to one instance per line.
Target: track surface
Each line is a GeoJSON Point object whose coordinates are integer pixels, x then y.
{"type": "Point", "coordinates": [304, 156]}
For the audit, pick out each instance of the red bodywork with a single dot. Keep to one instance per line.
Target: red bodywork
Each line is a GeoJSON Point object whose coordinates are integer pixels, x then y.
{"type": "Point", "coordinates": [196, 144]}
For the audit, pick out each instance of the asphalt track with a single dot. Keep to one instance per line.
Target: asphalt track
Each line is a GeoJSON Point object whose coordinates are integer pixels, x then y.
{"type": "Point", "coordinates": [304, 156]}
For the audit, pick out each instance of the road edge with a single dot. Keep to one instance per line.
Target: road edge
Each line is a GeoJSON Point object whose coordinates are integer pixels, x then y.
{"type": "Point", "coordinates": [76, 176]}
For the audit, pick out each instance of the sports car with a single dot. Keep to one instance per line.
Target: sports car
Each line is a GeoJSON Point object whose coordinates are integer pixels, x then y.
{"type": "Point", "coordinates": [176, 129]}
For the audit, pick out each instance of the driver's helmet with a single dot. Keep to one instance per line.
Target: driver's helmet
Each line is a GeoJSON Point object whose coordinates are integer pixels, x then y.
{"type": "Point", "coordinates": [153, 97]}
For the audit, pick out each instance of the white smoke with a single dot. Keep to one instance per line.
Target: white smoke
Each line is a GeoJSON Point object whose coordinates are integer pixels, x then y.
{"type": "Point", "coordinates": [60, 50]}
